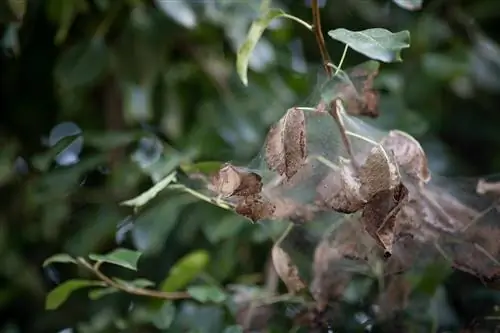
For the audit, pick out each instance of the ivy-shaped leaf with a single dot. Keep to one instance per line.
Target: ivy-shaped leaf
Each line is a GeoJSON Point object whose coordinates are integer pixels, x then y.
{"type": "Point", "coordinates": [185, 270]}
{"type": "Point", "coordinates": [61, 293]}
{"type": "Point", "coordinates": [120, 257]}
{"type": "Point", "coordinates": [59, 258]}
{"type": "Point", "coordinates": [409, 4]}
{"type": "Point", "coordinates": [379, 44]}
{"type": "Point", "coordinates": [206, 294]}
{"type": "Point", "coordinates": [145, 197]}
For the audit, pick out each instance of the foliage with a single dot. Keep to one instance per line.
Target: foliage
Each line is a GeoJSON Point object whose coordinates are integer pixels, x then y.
{"type": "Point", "coordinates": [103, 100]}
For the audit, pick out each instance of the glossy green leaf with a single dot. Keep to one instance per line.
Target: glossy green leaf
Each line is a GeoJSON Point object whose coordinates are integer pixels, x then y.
{"type": "Point", "coordinates": [185, 270]}
{"type": "Point", "coordinates": [145, 197]}
{"type": "Point", "coordinates": [379, 44]}
{"type": "Point", "coordinates": [409, 4]}
{"type": "Point", "coordinates": [96, 294]}
{"type": "Point", "coordinates": [59, 258]}
{"type": "Point", "coordinates": [256, 30]}
{"type": "Point", "coordinates": [61, 293]}
{"type": "Point", "coordinates": [207, 294]}
{"type": "Point", "coordinates": [82, 64]}
{"type": "Point", "coordinates": [120, 257]}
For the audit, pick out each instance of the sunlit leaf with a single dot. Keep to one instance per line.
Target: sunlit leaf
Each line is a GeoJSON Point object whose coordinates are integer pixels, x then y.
{"type": "Point", "coordinates": [207, 294]}
{"type": "Point", "coordinates": [179, 11]}
{"type": "Point", "coordinates": [82, 64]}
{"type": "Point", "coordinates": [379, 44]}
{"type": "Point", "coordinates": [120, 257]}
{"type": "Point", "coordinates": [61, 293]}
{"type": "Point", "coordinates": [145, 197]}
{"type": "Point", "coordinates": [96, 294]}
{"type": "Point", "coordinates": [256, 30]}
{"type": "Point", "coordinates": [185, 270]}
{"type": "Point", "coordinates": [409, 4]}
{"type": "Point", "coordinates": [59, 258]}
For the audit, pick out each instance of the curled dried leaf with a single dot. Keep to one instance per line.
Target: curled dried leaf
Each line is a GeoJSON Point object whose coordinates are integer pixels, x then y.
{"type": "Point", "coordinates": [255, 208]}
{"type": "Point", "coordinates": [378, 173]}
{"type": "Point", "coordinates": [287, 270]}
{"type": "Point", "coordinates": [233, 181]}
{"type": "Point", "coordinates": [484, 187]}
{"type": "Point", "coordinates": [409, 154]}
{"type": "Point", "coordinates": [340, 190]}
{"type": "Point", "coordinates": [286, 144]}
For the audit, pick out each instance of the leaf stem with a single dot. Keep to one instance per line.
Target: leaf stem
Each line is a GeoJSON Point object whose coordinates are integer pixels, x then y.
{"type": "Point", "coordinates": [320, 40]}
{"type": "Point", "coordinates": [339, 66]}
{"type": "Point", "coordinates": [130, 289]}
{"type": "Point", "coordinates": [296, 19]}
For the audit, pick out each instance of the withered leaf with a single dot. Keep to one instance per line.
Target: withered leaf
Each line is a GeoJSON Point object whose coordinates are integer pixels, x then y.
{"type": "Point", "coordinates": [409, 154]}
{"type": "Point", "coordinates": [287, 270]}
{"type": "Point", "coordinates": [340, 190]}
{"type": "Point", "coordinates": [379, 216]}
{"type": "Point", "coordinates": [484, 187]}
{"type": "Point", "coordinates": [378, 173]}
{"type": "Point", "coordinates": [285, 147]}
{"type": "Point", "coordinates": [233, 181]}
{"type": "Point", "coordinates": [255, 208]}
{"type": "Point", "coordinates": [356, 90]}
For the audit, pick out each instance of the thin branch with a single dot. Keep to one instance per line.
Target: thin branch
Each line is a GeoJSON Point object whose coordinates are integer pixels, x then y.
{"type": "Point", "coordinates": [131, 289]}
{"type": "Point", "coordinates": [319, 37]}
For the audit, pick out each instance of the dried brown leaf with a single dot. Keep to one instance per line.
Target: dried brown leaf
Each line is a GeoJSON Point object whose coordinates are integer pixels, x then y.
{"type": "Point", "coordinates": [286, 144]}
{"type": "Point", "coordinates": [255, 208]}
{"type": "Point", "coordinates": [340, 190]}
{"type": "Point", "coordinates": [287, 270]}
{"type": "Point", "coordinates": [378, 173]}
{"type": "Point", "coordinates": [233, 181]}
{"type": "Point", "coordinates": [409, 154]}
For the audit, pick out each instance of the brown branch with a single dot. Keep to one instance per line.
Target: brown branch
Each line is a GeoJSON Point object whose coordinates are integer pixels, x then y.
{"type": "Point", "coordinates": [131, 289]}
{"type": "Point", "coordinates": [332, 108]}
{"type": "Point", "coordinates": [320, 39]}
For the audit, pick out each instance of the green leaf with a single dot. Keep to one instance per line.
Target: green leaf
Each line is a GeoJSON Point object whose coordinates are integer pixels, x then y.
{"type": "Point", "coordinates": [206, 168]}
{"type": "Point", "coordinates": [61, 293]}
{"type": "Point", "coordinates": [165, 316]}
{"type": "Point", "coordinates": [206, 294]}
{"type": "Point", "coordinates": [409, 4]}
{"type": "Point", "coordinates": [233, 329]}
{"type": "Point", "coordinates": [18, 8]}
{"type": "Point", "coordinates": [83, 64]}
{"type": "Point", "coordinates": [185, 270]}
{"type": "Point", "coordinates": [379, 44]}
{"type": "Point", "coordinates": [121, 257]}
{"type": "Point", "coordinates": [145, 197]}
{"type": "Point", "coordinates": [138, 283]}
{"type": "Point", "coordinates": [96, 294]}
{"type": "Point", "coordinates": [256, 30]}
{"type": "Point", "coordinates": [61, 258]}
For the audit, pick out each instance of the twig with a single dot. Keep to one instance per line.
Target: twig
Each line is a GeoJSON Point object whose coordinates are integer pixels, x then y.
{"type": "Point", "coordinates": [332, 107]}
{"type": "Point", "coordinates": [319, 37]}
{"type": "Point", "coordinates": [131, 289]}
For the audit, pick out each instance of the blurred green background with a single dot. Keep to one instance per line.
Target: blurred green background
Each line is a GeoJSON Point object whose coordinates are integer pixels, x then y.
{"type": "Point", "coordinates": [139, 88]}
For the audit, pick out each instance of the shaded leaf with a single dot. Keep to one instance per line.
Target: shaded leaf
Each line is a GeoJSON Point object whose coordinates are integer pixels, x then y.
{"type": "Point", "coordinates": [120, 257]}
{"type": "Point", "coordinates": [137, 283]}
{"type": "Point", "coordinates": [165, 315]}
{"type": "Point", "coordinates": [253, 36]}
{"type": "Point", "coordinates": [59, 258]}
{"type": "Point", "coordinates": [206, 294]}
{"type": "Point", "coordinates": [145, 197]}
{"type": "Point", "coordinates": [206, 168]}
{"type": "Point", "coordinates": [285, 146]}
{"type": "Point", "coordinates": [287, 270]}
{"type": "Point", "coordinates": [409, 4]}
{"type": "Point", "coordinates": [60, 294]}
{"type": "Point", "coordinates": [185, 270]}
{"type": "Point", "coordinates": [82, 64]}
{"type": "Point", "coordinates": [96, 294]}
{"type": "Point", "coordinates": [233, 329]}
{"type": "Point", "coordinates": [18, 8]}
{"type": "Point", "coordinates": [379, 44]}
